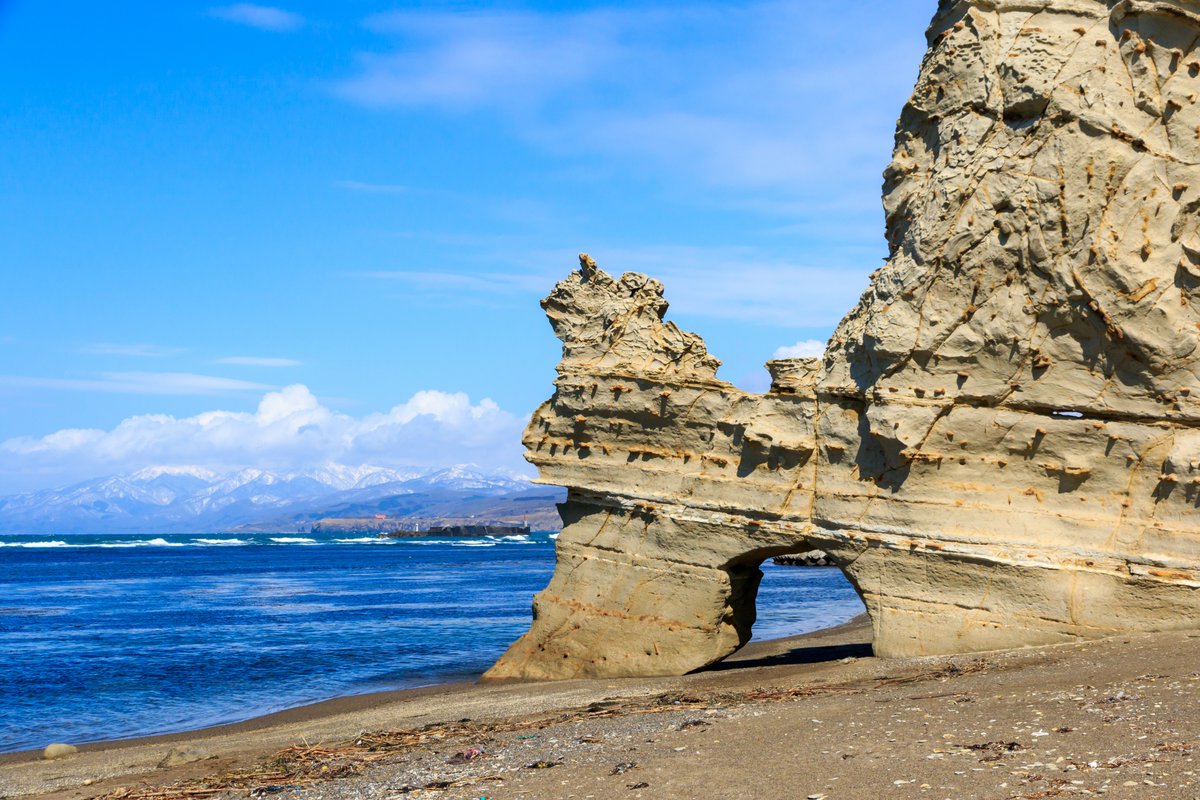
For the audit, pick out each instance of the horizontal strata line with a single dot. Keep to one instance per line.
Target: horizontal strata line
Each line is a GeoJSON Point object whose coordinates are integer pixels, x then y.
{"type": "Point", "coordinates": [1043, 410]}
{"type": "Point", "coordinates": [611, 498]}
{"type": "Point", "coordinates": [668, 564]}
{"type": "Point", "coordinates": [834, 394]}
{"type": "Point", "coordinates": [858, 399]}
{"type": "Point", "coordinates": [897, 538]}
{"type": "Point", "coordinates": [607, 377]}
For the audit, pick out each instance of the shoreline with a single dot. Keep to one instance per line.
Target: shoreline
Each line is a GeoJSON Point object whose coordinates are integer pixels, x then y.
{"type": "Point", "coordinates": [810, 716]}
{"type": "Point", "coordinates": [368, 701]}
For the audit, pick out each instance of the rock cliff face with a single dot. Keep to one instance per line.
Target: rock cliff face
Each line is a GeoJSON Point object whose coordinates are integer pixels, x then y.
{"type": "Point", "coordinates": [1002, 444]}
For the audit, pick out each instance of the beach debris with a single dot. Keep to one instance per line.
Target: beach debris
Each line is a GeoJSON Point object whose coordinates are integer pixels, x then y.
{"type": "Point", "coordinates": [543, 764]}
{"type": "Point", "coordinates": [54, 751]}
{"type": "Point", "coordinates": [640, 785]}
{"type": "Point", "coordinates": [623, 767]}
{"type": "Point", "coordinates": [462, 757]}
{"type": "Point", "coordinates": [182, 754]}
{"type": "Point", "coordinates": [263, 791]}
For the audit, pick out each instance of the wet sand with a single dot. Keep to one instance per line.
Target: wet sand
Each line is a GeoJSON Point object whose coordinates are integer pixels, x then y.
{"type": "Point", "coordinates": [810, 717]}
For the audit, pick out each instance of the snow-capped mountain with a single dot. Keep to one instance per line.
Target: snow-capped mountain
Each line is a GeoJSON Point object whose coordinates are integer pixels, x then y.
{"type": "Point", "coordinates": [192, 499]}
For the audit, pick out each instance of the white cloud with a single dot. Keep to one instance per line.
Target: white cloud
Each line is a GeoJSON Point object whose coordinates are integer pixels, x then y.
{"type": "Point", "coordinates": [132, 350]}
{"type": "Point", "coordinates": [290, 429]}
{"type": "Point", "coordinates": [744, 283]}
{"type": "Point", "coordinates": [175, 383]}
{"type": "Point", "coordinates": [466, 60]}
{"type": "Point", "coordinates": [482, 283]}
{"type": "Point", "coordinates": [259, 361]}
{"type": "Point", "coordinates": [809, 348]}
{"type": "Point", "coordinates": [748, 284]}
{"type": "Point", "coordinates": [265, 18]}
{"type": "Point", "coordinates": [376, 188]}
{"type": "Point", "coordinates": [718, 94]}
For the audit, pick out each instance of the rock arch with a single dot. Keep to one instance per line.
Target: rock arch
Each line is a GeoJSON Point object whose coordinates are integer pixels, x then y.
{"type": "Point", "coordinates": [1043, 216]}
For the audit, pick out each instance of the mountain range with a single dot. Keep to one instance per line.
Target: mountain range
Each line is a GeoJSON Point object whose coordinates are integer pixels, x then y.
{"type": "Point", "coordinates": [200, 500]}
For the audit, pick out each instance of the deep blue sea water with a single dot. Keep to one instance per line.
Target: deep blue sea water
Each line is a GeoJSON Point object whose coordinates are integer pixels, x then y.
{"type": "Point", "coordinates": [111, 637]}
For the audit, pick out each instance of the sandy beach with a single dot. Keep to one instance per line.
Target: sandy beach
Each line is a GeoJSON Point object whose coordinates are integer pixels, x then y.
{"type": "Point", "coordinates": [811, 717]}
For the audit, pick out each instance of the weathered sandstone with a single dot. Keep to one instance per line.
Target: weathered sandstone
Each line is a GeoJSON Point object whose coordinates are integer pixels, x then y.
{"type": "Point", "coordinates": [1001, 446]}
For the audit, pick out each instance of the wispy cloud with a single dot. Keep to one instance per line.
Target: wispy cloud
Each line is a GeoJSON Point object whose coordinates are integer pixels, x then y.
{"type": "Point", "coordinates": [507, 283]}
{"type": "Point", "coordinates": [808, 348]}
{"type": "Point", "coordinates": [749, 284]}
{"type": "Point", "coordinates": [465, 60]}
{"type": "Point", "coordinates": [377, 188]}
{"type": "Point", "coordinates": [720, 94]}
{"type": "Point", "coordinates": [132, 350]}
{"type": "Point", "coordinates": [148, 383]}
{"type": "Point", "coordinates": [265, 18]}
{"type": "Point", "coordinates": [744, 283]}
{"type": "Point", "coordinates": [259, 361]}
{"type": "Point", "coordinates": [290, 429]}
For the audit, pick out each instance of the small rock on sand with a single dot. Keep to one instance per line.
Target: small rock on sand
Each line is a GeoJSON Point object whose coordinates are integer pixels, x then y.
{"type": "Point", "coordinates": [54, 751]}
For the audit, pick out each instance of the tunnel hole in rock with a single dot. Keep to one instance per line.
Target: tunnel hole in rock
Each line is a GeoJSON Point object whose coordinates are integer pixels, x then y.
{"type": "Point", "coordinates": [773, 600]}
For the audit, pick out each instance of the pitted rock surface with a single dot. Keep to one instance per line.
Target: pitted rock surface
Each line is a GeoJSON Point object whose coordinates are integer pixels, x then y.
{"type": "Point", "coordinates": [1001, 446]}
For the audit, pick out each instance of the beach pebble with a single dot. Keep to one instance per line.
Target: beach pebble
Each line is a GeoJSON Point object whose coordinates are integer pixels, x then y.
{"type": "Point", "coordinates": [183, 754]}
{"type": "Point", "coordinates": [54, 751]}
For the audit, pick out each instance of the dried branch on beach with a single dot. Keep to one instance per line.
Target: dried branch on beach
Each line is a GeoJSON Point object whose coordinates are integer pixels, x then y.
{"type": "Point", "coordinates": [301, 765]}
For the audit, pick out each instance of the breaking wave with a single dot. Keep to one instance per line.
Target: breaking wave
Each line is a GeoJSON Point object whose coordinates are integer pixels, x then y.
{"type": "Point", "coordinates": [257, 540]}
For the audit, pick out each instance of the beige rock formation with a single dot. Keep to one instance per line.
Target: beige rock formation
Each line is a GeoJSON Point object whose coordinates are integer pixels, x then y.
{"type": "Point", "coordinates": [1002, 444]}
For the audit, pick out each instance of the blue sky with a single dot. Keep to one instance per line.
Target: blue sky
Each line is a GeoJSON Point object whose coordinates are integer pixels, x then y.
{"type": "Point", "coordinates": [201, 204]}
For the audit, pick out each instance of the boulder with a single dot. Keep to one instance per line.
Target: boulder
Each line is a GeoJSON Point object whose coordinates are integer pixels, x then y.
{"type": "Point", "coordinates": [56, 751]}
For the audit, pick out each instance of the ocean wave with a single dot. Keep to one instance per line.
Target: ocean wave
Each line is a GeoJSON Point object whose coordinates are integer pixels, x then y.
{"type": "Point", "coordinates": [155, 542]}
{"type": "Point", "coordinates": [158, 541]}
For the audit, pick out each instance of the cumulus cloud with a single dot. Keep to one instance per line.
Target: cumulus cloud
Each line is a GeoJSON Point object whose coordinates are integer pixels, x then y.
{"type": "Point", "coordinates": [290, 429]}
{"type": "Point", "coordinates": [265, 18]}
{"type": "Point", "coordinates": [809, 348]}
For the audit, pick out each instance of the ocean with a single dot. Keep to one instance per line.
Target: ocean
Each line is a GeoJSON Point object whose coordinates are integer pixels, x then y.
{"type": "Point", "coordinates": [108, 637]}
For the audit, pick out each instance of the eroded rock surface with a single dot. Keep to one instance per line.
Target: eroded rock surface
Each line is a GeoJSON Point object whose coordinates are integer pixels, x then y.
{"type": "Point", "coordinates": [1001, 446]}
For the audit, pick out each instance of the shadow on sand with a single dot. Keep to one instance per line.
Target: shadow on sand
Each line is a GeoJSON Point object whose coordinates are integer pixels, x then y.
{"type": "Point", "coordinates": [796, 655]}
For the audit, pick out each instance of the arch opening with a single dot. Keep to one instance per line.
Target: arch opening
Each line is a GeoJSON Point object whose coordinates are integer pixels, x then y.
{"type": "Point", "coordinates": [778, 595]}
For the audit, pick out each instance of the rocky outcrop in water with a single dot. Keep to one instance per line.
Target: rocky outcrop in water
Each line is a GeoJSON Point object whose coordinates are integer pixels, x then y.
{"type": "Point", "coordinates": [1001, 446]}
{"type": "Point", "coordinates": [813, 558]}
